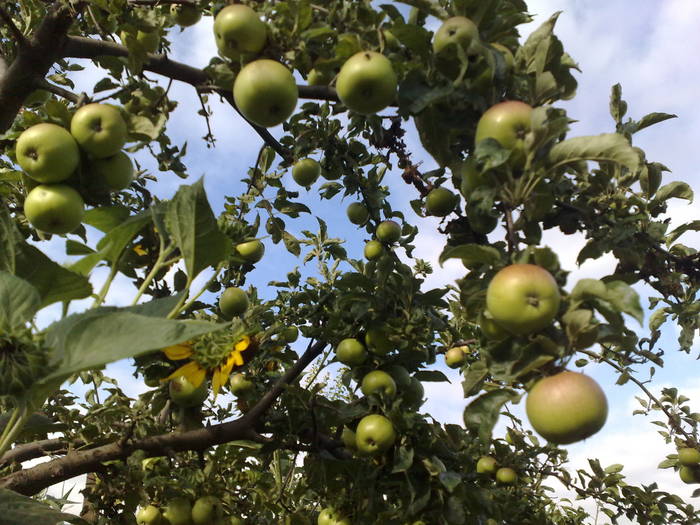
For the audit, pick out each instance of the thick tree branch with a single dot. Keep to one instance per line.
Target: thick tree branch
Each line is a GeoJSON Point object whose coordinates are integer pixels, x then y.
{"type": "Point", "coordinates": [36, 449]}
{"type": "Point", "coordinates": [19, 36]}
{"type": "Point", "coordinates": [33, 480]}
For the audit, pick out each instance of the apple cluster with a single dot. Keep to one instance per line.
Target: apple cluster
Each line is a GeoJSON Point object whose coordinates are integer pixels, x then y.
{"type": "Point", "coordinates": [689, 461]}
{"type": "Point", "coordinates": [207, 510]}
{"type": "Point", "coordinates": [50, 155]}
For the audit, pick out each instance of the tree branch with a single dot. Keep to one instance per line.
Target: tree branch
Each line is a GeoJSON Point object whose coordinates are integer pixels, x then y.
{"type": "Point", "coordinates": [35, 479]}
{"type": "Point", "coordinates": [34, 450]}
{"type": "Point", "coordinates": [21, 39]}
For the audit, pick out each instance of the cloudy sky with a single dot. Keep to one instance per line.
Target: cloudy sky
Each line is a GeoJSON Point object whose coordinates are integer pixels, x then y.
{"type": "Point", "coordinates": [648, 47]}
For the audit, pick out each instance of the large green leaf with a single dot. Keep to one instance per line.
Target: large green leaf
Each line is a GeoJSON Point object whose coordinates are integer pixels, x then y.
{"type": "Point", "coordinates": [112, 245]}
{"type": "Point", "coordinates": [607, 147]}
{"type": "Point", "coordinates": [19, 302]}
{"type": "Point", "coordinates": [481, 415]}
{"type": "Point", "coordinates": [193, 226]}
{"type": "Point", "coordinates": [22, 510]}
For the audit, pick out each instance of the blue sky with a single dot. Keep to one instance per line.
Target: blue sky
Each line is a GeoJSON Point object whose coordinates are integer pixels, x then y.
{"type": "Point", "coordinates": [648, 47]}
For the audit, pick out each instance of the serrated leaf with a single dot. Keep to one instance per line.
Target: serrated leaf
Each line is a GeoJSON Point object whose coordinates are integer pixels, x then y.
{"type": "Point", "coordinates": [19, 302]}
{"type": "Point", "coordinates": [625, 299]}
{"type": "Point", "coordinates": [674, 190]}
{"type": "Point", "coordinates": [106, 218]}
{"type": "Point", "coordinates": [471, 254]}
{"type": "Point", "coordinates": [608, 147]}
{"type": "Point", "coordinates": [481, 415]}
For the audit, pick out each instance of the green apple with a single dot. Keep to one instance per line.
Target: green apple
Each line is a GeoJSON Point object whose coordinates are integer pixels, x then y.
{"type": "Point", "coordinates": [456, 356]}
{"type": "Point", "coordinates": [351, 352]}
{"type": "Point", "coordinates": [178, 512]}
{"type": "Point", "coordinates": [378, 382]}
{"type": "Point", "coordinates": [490, 329]}
{"type": "Point", "coordinates": [47, 152]}
{"type": "Point", "coordinates": [306, 171]}
{"type": "Point", "coordinates": [377, 341]}
{"type": "Point", "coordinates": [289, 334]}
{"type": "Point", "coordinates": [458, 31]}
{"type": "Point", "coordinates": [116, 172]}
{"type": "Point", "coordinates": [566, 407]}
{"type": "Point", "coordinates": [400, 376]}
{"type": "Point", "coordinates": [149, 515]}
{"type": "Point", "coordinates": [54, 208]}
{"type": "Point", "coordinates": [507, 55]}
{"type": "Point", "coordinates": [330, 516]}
{"type": "Point", "coordinates": [388, 231]}
{"type": "Point", "coordinates": [240, 385]}
{"type": "Point", "coordinates": [357, 213]}
{"type": "Point", "coordinates": [185, 15]}
{"type": "Point", "coordinates": [471, 177]}
{"type": "Point", "coordinates": [99, 129]}
{"type": "Point", "coordinates": [507, 123]}
{"type": "Point", "coordinates": [366, 83]}
{"type": "Point", "coordinates": [375, 434]}
{"type": "Point", "coordinates": [238, 30]}
{"type": "Point", "coordinates": [689, 474]}
{"type": "Point", "coordinates": [390, 40]}
{"type": "Point", "coordinates": [251, 251]}
{"type": "Point", "coordinates": [523, 298]}
{"type": "Point", "coordinates": [185, 394]}
{"type": "Point", "coordinates": [506, 476]}
{"type": "Point", "coordinates": [235, 520]}
{"type": "Point", "coordinates": [148, 40]}
{"type": "Point", "coordinates": [265, 92]}
{"type": "Point", "coordinates": [233, 302]}
{"type": "Point", "coordinates": [349, 439]}
{"type": "Point", "coordinates": [440, 202]}
{"type": "Point", "coordinates": [373, 250]}
{"type": "Point", "coordinates": [206, 510]}
{"type": "Point", "coordinates": [688, 456]}
{"type": "Point", "coordinates": [415, 393]}
{"type": "Point", "coordinates": [486, 465]}
{"type": "Point", "coordinates": [318, 77]}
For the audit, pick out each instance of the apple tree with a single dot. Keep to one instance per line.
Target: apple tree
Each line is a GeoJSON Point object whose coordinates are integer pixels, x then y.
{"type": "Point", "coordinates": [299, 400]}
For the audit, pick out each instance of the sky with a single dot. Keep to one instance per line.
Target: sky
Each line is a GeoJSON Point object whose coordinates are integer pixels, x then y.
{"type": "Point", "coordinates": [650, 49]}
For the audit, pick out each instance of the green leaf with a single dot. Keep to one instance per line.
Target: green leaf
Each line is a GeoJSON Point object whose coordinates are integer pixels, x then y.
{"type": "Point", "coordinates": [22, 510]}
{"type": "Point", "coordinates": [481, 415]}
{"type": "Point", "coordinates": [106, 218]}
{"type": "Point", "coordinates": [430, 375]}
{"type": "Point", "coordinates": [653, 118]}
{"type": "Point", "coordinates": [674, 190]}
{"type": "Point", "coordinates": [19, 302]}
{"type": "Point", "coordinates": [608, 147]}
{"type": "Point", "coordinates": [112, 245]}
{"type": "Point", "coordinates": [625, 299]}
{"type": "Point", "coordinates": [677, 232]}
{"type": "Point", "coordinates": [450, 480]}
{"type": "Point", "coordinates": [471, 254]}
{"type": "Point", "coordinates": [193, 226]}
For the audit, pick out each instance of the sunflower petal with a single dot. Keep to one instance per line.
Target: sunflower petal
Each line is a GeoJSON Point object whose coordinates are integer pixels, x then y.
{"type": "Point", "coordinates": [243, 344]}
{"type": "Point", "coordinates": [192, 371]}
{"type": "Point", "coordinates": [218, 380]}
{"type": "Point", "coordinates": [178, 352]}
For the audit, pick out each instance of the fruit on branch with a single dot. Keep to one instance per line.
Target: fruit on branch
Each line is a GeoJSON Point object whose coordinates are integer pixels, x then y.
{"type": "Point", "coordinates": [351, 352]}
{"type": "Point", "coordinates": [489, 328]}
{"type": "Point", "coordinates": [507, 123]}
{"type": "Point", "coordinates": [414, 393]}
{"type": "Point", "coordinates": [373, 250]}
{"type": "Point", "coordinates": [357, 213]}
{"type": "Point", "coordinates": [235, 520]}
{"type": "Point", "coordinates": [149, 515]}
{"type": "Point", "coordinates": [440, 202]}
{"type": "Point", "coordinates": [54, 208]}
{"type": "Point", "coordinates": [688, 456]}
{"type": "Point", "coordinates": [116, 171]}
{"type": "Point", "coordinates": [206, 510]}
{"type": "Point", "coordinates": [306, 171]}
{"type": "Point", "coordinates": [456, 356]}
{"type": "Point", "coordinates": [375, 434]}
{"type": "Point", "coordinates": [689, 475]}
{"type": "Point", "coordinates": [388, 231]}
{"type": "Point", "coordinates": [377, 341]}
{"type": "Point", "coordinates": [366, 83]}
{"type": "Point", "coordinates": [349, 439]}
{"type": "Point", "coordinates": [233, 302]}
{"type": "Point", "coordinates": [400, 375]}
{"type": "Point", "coordinates": [251, 251]}
{"type": "Point", "coordinates": [240, 384]}
{"type": "Point", "coordinates": [471, 177]}
{"type": "Point", "coordinates": [99, 129]}
{"type": "Point", "coordinates": [507, 55]}
{"type": "Point", "coordinates": [178, 512]}
{"type": "Point", "coordinates": [238, 30]}
{"type": "Point", "coordinates": [506, 476]}
{"type": "Point", "coordinates": [185, 15]}
{"type": "Point", "coordinates": [265, 92]}
{"type": "Point", "coordinates": [330, 516]}
{"type": "Point", "coordinates": [566, 407]}
{"type": "Point", "coordinates": [523, 298]}
{"type": "Point", "coordinates": [458, 31]}
{"type": "Point", "coordinates": [318, 77]}
{"type": "Point", "coordinates": [185, 394]}
{"type": "Point", "coordinates": [47, 153]}
{"type": "Point", "coordinates": [148, 40]}
{"type": "Point", "coordinates": [486, 465]}
{"type": "Point", "coordinates": [378, 381]}
{"type": "Point", "coordinates": [289, 334]}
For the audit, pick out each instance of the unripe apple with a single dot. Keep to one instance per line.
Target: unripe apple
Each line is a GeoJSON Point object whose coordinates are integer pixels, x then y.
{"type": "Point", "coordinates": [47, 152]}
{"type": "Point", "coordinates": [265, 92]}
{"type": "Point", "coordinates": [306, 171]}
{"type": "Point", "coordinates": [99, 129]}
{"type": "Point", "coordinates": [506, 476]}
{"type": "Point", "coordinates": [375, 434]}
{"type": "Point", "coordinates": [351, 352]}
{"type": "Point", "coordinates": [185, 394]}
{"type": "Point", "coordinates": [178, 512]}
{"type": "Point", "coordinates": [251, 251]}
{"type": "Point", "coordinates": [455, 357]}
{"type": "Point", "coordinates": [290, 334]}
{"type": "Point", "coordinates": [440, 202]}
{"type": "Point", "coordinates": [373, 250]}
{"type": "Point", "coordinates": [458, 31]}
{"type": "Point", "coordinates": [388, 231]}
{"type": "Point", "coordinates": [378, 381]}
{"type": "Point", "coordinates": [366, 83]}
{"type": "Point", "coordinates": [54, 208]}
{"type": "Point", "coordinates": [688, 456]}
{"type": "Point", "coordinates": [486, 465]}
{"type": "Point", "coordinates": [349, 439]}
{"type": "Point", "coordinates": [507, 123]}
{"type": "Point", "coordinates": [377, 341]}
{"type": "Point", "coordinates": [206, 510]}
{"type": "Point", "coordinates": [149, 515]}
{"type": "Point", "coordinates": [185, 15]}
{"type": "Point", "coordinates": [234, 301]}
{"type": "Point", "coordinates": [240, 385]}
{"type": "Point", "coordinates": [148, 40]}
{"type": "Point", "coordinates": [357, 213]}
{"type": "Point", "coordinates": [689, 475]}
{"type": "Point", "coordinates": [238, 29]}
{"type": "Point", "coordinates": [116, 172]}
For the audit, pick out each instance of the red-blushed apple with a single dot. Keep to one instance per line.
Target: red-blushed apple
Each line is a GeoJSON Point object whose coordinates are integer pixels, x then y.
{"type": "Point", "coordinates": [47, 153]}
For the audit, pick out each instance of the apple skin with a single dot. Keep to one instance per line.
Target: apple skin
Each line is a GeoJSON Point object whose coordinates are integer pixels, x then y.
{"type": "Point", "coordinates": [330, 516]}
{"type": "Point", "coordinates": [251, 251]}
{"type": "Point", "coordinates": [240, 385]}
{"type": "Point", "coordinates": [506, 476]}
{"type": "Point", "coordinates": [99, 129]}
{"type": "Point", "coordinates": [351, 352]}
{"type": "Point", "coordinates": [688, 456]}
{"type": "Point", "coordinates": [185, 15]}
{"type": "Point", "coordinates": [238, 30]}
{"type": "Point", "coordinates": [414, 394]}
{"type": "Point", "coordinates": [377, 341]}
{"type": "Point", "coordinates": [116, 171]}
{"type": "Point", "coordinates": [265, 92]}
{"type": "Point", "coordinates": [316, 77]}
{"type": "Point", "coordinates": [235, 521]}
{"type": "Point", "coordinates": [507, 123]}
{"type": "Point", "coordinates": [523, 298]}
{"type": "Point", "coordinates": [486, 465]}
{"type": "Point", "coordinates": [185, 394]}
{"type": "Point", "coordinates": [400, 376]}
{"type": "Point", "coordinates": [440, 202]}
{"type": "Point", "coordinates": [460, 31]}
{"type": "Point", "coordinates": [357, 213]}
{"type": "Point", "coordinates": [349, 439]}
{"type": "Point", "coordinates": [206, 509]}
{"type": "Point", "coordinates": [149, 515]}
{"type": "Point", "coordinates": [490, 329]}
{"type": "Point", "coordinates": [375, 434]}
{"type": "Point", "coordinates": [54, 208]}
{"type": "Point", "coordinates": [306, 171]}
{"type": "Point", "coordinates": [290, 334]}
{"type": "Point", "coordinates": [566, 407]}
{"type": "Point", "coordinates": [689, 475]}
{"type": "Point", "coordinates": [233, 301]}
{"type": "Point", "coordinates": [366, 83]}
{"type": "Point", "coordinates": [388, 231]}
{"type": "Point", "coordinates": [178, 512]}
{"type": "Point", "coordinates": [378, 382]}
{"type": "Point", "coordinates": [47, 152]}
{"type": "Point", "coordinates": [455, 357]}
{"type": "Point", "coordinates": [373, 250]}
